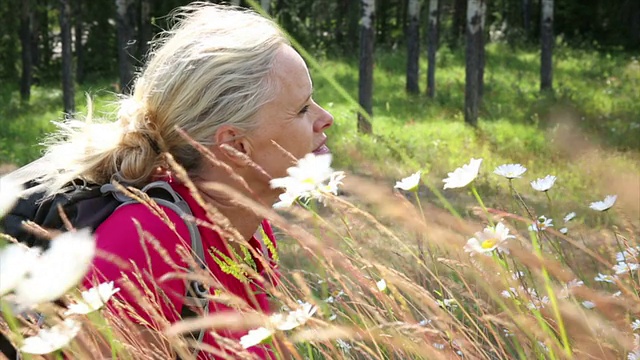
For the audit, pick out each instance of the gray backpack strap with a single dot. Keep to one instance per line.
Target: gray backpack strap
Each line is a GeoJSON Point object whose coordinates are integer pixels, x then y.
{"type": "Point", "coordinates": [180, 207]}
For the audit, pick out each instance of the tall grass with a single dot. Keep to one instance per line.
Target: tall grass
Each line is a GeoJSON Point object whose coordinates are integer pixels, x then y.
{"type": "Point", "coordinates": [538, 300]}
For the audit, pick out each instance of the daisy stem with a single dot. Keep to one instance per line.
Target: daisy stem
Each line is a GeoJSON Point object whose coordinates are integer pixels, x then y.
{"type": "Point", "coordinates": [549, 202]}
{"type": "Point", "coordinates": [513, 195]}
{"type": "Point", "coordinates": [552, 296]}
{"type": "Point", "coordinates": [415, 193]}
{"type": "Point", "coordinates": [484, 208]}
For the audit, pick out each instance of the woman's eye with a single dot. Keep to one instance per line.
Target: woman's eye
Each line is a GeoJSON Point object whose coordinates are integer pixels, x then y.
{"type": "Point", "coordinates": [304, 110]}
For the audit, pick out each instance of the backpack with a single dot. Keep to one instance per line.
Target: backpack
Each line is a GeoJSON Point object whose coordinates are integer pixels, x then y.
{"type": "Point", "coordinates": [88, 205]}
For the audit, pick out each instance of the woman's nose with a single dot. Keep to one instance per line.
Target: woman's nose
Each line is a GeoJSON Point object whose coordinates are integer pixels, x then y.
{"type": "Point", "coordinates": [324, 120]}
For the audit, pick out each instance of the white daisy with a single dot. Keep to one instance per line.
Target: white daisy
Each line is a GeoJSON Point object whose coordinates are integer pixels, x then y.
{"type": "Point", "coordinates": [294, 318]}
{"type": "Point", "coordinates": [510, 171]}
{"type": "Point", "coordinates": [541, 224]}
{"type": "Point", "coordinates": [604, 205]}
{"type": "Point", "coordinates": [52, 339]}
{"type": "Point", "coordinates": [335, 296]}
{"type": "Point", "coordinates": [635, 325]}
{"type": "Point", "coordinates": [464, 175]}
{"type": "Point", "coordinates": [509, 293]}
{"type": "Point", "coordinates": [448, 303]}
{"type": "Point", "coordinates": [312, 177]}
{"type": "Point", "coordinates": [588, 304]}
{"type": "Point", "coordinates": [617, 294]}
{"type": "Point", "coordinates": [15, 262]}
{"type": "Point", "coordinates": [409, 183]}
{"type": "Point", "coordinates": [566, 289]}
{"type": "Point", "coordinates": [93, 299]}
{"type": "Point", "coordinates": [564, 230]}
{"type": "Point", "coordinates": [286, 200]}
{"type": "Point", "coordinates": [343, 345]}
{"type": "Point", "coordinates": [58, 269]}
{"type": "Point", "coordinates": [604, 278]}
{"type": "Point", "coordinates": [635, 355]}
{"type": "Point", "coordinates": [255, 337]}
{"type": "Point", "coordinates": [538, 303]}
{"type": "Point", "coordinates": [569, 216]}
{"type": "Point", "coordinates": [630, 254]}
{"type": "Point", "coordinates": [382, 285]}
{"type": "Point", "coordinates": [491, 238]}
{"type": "Point", "coordinates": [543, 184]}
{"type": "Point", "coordinates": [625, 267]}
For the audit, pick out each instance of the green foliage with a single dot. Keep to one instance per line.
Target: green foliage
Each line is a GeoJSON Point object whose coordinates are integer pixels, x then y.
{"type": "Point", "coordinates": [597, 93]}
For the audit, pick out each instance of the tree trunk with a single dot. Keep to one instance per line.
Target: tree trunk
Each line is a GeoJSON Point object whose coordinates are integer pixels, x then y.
{"type": "Point", "coordinates": [413, 47]}
{"type": "Point", "coordinates": [365, 79]}
{"type": "Point", "coordinates": [25, 40]}
{"type": "Point", "coordinates": [432, 46]}
{"type": "Point", "coordinates": [266, 6]}
{"type": "Point", "coordinates": [67, 59]}
{"type": "Point", "coordinates": [473, 73]}
{"type": "Point", "coordinates": [526, 17]}
{"type": "Point", "coordinates": [546, 42]}
{"type": "Point", "coordinates": [459, 23]}
{"type": "Point", "coordinates": [79, 47]}
{"type": "Point", "coordinates": [480, 44]}
{"type": "Point", "coordinates": [35, 38]}
{"type": "Point", "coordinates": [145, 33]}
{"type": "Point", "coordinates": [46, 40]}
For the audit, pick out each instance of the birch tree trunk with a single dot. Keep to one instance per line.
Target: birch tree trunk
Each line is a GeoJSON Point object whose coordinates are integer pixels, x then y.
{"type": "Point", "coordinates": [125, 35]}
{"type": "Point", "coordinates": [474, 59]}
{"type": "Point", "coordinates": [68, 91]}
{"type": "Point", "coordinates": [27, 58]}
{"type": "Point", "coordinates": [365, 79]}
{"type": "Point", "coordinates": [413, 47]}
{"type": "Point", "coordinates": [546, 44]}
{"type": "Point", "coordinates": [432, 46]}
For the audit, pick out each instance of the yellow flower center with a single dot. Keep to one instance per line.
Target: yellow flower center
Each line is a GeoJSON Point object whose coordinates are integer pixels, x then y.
{"type": "Point", "coordinates": [489, 243]}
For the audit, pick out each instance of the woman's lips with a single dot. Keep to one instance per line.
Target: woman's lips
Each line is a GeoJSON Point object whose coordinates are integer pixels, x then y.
{"type": "Point", "coordinates": [322, 149]}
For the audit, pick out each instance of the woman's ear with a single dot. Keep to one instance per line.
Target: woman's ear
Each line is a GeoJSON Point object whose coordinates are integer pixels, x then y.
{"type": "Point", "coordinates": [237, 147]}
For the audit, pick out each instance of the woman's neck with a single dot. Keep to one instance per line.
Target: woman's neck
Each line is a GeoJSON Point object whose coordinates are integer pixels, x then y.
{"type": "Point", "coordinates": [242, 218]}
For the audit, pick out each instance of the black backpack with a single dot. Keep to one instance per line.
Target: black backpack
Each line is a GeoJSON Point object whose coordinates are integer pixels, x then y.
{"type": "Point", "coordinates": [88, 205]}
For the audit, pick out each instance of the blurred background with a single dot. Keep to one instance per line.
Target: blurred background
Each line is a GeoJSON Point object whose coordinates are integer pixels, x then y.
{"type": "Point", "coordinates": [412, 84]}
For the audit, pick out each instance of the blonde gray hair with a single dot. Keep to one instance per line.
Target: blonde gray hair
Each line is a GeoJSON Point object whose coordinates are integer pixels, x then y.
{"type": "Point", "coordinates": [212, 68]}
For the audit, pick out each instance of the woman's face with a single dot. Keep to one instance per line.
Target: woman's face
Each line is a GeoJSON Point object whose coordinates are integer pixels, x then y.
{"type": "Point", "coordinates": [292, 119]}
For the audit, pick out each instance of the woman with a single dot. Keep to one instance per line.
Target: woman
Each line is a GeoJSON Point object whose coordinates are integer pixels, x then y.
{"type": "Point", "coordinates": [232, 82]}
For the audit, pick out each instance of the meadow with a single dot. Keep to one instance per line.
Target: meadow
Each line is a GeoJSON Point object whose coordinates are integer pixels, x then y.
{"type": "Point", "coordinates": [394, 273]}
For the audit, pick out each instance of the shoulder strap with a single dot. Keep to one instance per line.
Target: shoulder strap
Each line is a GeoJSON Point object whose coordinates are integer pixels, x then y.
{"type": "Point", "coordinates": [164, 195]}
